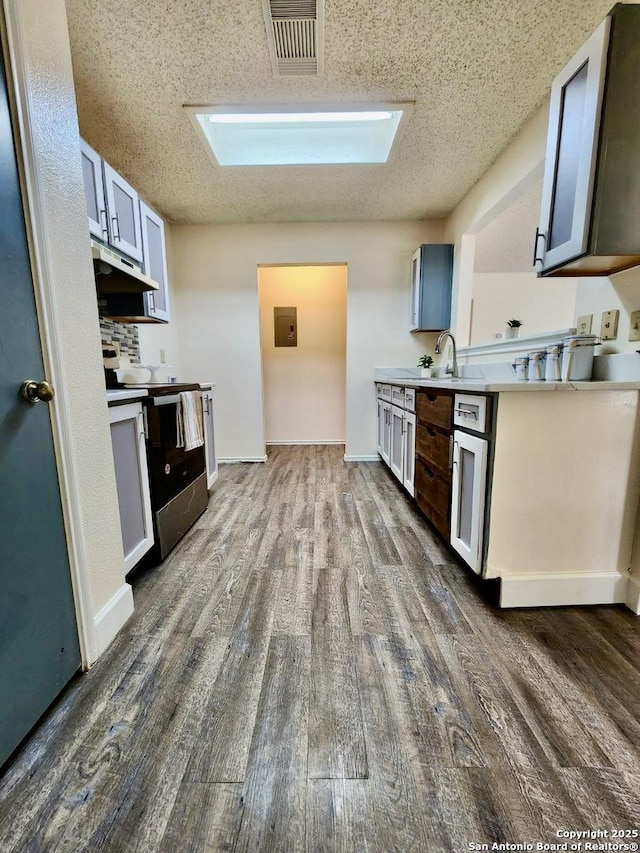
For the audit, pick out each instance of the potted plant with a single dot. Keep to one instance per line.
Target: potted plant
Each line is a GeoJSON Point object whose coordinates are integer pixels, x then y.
{"type": "Point", "coordinates": [513, 329]}
{"type": "Point", "coordinates": [426, 363]}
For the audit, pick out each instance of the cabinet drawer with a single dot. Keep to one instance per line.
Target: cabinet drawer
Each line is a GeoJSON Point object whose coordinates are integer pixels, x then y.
{"type": "Point", "coordinates": [434, 447]}
{"type": "Point", "coordinates": [397, 396]}
{"type": "Point", "coordinates": [435, 408]}
{"type": "Point", "coordinates": [434, 488]}
{"type": "Point", "coordinates": [440, 522]}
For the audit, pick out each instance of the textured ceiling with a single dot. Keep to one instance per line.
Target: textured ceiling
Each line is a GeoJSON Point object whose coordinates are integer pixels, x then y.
{"type": "Point", "coordinates": [477, 69]}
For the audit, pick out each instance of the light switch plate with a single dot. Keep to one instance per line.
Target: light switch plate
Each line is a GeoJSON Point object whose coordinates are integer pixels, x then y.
{"type": "Point", "coordinates": [584, 323]}
{"type": "Point", "coordinates": [634, 326]}
{"type": "Point", "coordinates": [162, 358]}
{"type": "Point", "coordinates": [609, 327]}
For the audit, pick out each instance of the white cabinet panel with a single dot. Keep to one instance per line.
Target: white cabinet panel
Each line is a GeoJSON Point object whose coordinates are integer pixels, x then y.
{"type": "Point", "coordinates": [124, 214]}
{"type": "Point", "coordinates": [468, 497]}
{"type": "Point", "coordinates": [94, 192]}
{"type": "Point", "coordinates": [209, 437]}
{"type": "Point", "coordinates": [132, 481]}
{"type": "Point", "coordinates": [396, 461]}
{"type": "Point", "coordinates": [409, 452]}
{"type": "Point", "coordinates": [155, 262]}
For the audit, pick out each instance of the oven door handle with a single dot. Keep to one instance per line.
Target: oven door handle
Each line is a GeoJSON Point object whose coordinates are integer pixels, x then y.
{"type": "Point", "coordinates": [166, 400]}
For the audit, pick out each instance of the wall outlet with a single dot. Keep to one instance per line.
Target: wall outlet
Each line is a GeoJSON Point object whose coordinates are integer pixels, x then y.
{"type": "Point", "coordinates": [584, 323]}
{"type": "Point", "coordinates": [162, 358]}
{"type": "Point", "coordinates": [609, 326]}
{"type": "Point", "coordinates": [634, 326]}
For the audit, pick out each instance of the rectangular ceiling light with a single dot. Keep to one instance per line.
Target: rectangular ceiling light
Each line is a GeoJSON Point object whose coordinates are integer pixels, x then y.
{"type": "Point", "coordinates": [299, 136]}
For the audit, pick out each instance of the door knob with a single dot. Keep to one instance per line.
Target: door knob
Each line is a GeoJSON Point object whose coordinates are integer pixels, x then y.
{"type": "Point", "coordinates": [34, 392]}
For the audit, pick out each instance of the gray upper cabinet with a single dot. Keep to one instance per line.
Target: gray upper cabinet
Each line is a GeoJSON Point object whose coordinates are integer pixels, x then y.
{"type": "Point", "coordinates": [590, 211]}
{"type": "Point", "coordinates": [94, 192]}
{"type": "Point", "coordinates": [431, 283]}
{"type": "Point", "coordinates": [123, 207]}
{"type": "Point", "coordinates": [155, 263]}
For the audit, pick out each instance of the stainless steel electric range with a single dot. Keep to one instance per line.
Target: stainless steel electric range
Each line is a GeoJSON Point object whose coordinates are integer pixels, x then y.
{"type": "Point", "coordinates": [177, 477]}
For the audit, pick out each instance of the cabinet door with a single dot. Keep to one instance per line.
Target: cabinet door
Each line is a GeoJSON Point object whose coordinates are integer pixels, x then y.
{"type": "Point", "coordinates": [570, 164]}
{"type": "Point", "coordinates": [408, 468]}
{"type": "Point", "coordinates": [431, 287]}
{"type": "Point", "coordinates": [385, 451]}
{"type": "Point", "coordinates": [468, 497]}
{"type": "Point", "coordinates": [209, 438]}
{"type": "Point", "coordinates": [94, 192]}
{"type": "Point", "coordinates": [132, 480]}
{"type": "Point", "coordinates": [397, 442]}
{"type": "Point", "coordinates": [124, 214]}
{"type": "Point", "coordinates": [382, 422]}
{"type": "Point", "coordinates": [415, 290]}
{"type": "Point", "coordinates": [155, 262]}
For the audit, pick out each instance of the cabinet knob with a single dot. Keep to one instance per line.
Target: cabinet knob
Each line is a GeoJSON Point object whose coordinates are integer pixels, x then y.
{"type": "Point", "coordinates": [36, 392]}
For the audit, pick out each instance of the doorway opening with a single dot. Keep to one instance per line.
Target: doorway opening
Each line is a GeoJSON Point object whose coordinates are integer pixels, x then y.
{"type": "Point", "coordinates": [304, 352]}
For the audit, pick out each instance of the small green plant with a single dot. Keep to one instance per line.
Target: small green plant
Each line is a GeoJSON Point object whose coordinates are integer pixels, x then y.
{"type": "Point", "coordinates": [515, 324]}
{"type": "Point", "coordinates": [425, 361]}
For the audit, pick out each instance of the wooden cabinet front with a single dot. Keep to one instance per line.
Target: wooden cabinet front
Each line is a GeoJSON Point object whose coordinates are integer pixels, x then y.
{"type": "Point", "coordinates": [435, 407]}
{"type": "Point", "coordinates": [433, 445]}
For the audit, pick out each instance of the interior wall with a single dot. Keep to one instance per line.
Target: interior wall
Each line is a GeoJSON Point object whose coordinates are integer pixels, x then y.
{"type": "Point", "coordinates": [541, 304]}
{"type": "Point", "coordinates": [217, 301]}
{"type": "Point", "coordinates": [618, 292]}
{"type": "Point", "coordinates": [304, 387]}
{"type": "Point", "coordinates": [80, 404]}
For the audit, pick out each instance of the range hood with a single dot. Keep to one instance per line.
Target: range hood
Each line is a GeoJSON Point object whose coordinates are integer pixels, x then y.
{"type": "Point", "coordinates": [115, 274]}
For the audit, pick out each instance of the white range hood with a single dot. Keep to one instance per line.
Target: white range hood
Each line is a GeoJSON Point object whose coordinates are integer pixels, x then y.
{"type": "Point", "coordinates": [115, 274]}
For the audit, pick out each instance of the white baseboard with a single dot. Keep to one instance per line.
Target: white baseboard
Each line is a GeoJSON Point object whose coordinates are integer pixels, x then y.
{"type": "Point", "coordinates": [544, 590]}
{"type": "Point", "coordinates": [633, 595]}
{"type": "Point", "coordinates": [304, 442]}
{"type": "Point", "coordinates": [112, 617]}
{"type": "Point", "coordinates": [228, 460]}
{"type": "Point", "coordinates": [354, 457]}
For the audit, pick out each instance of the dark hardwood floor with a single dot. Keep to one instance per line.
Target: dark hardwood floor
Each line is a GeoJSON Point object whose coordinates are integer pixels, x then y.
{"type": "Point", "coordinates": [311, 669]}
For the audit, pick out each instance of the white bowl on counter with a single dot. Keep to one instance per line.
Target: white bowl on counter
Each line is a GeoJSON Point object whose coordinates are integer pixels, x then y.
{"type": "Point", "coordinates": [133, 374]}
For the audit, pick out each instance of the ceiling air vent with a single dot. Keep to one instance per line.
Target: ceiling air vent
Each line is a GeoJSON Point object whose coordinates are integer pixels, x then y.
{"type": "Point", "coordinates": [295, 31]}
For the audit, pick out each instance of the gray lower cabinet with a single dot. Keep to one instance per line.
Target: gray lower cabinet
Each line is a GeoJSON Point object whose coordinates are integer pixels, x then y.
{"type": "Point", "coordinates": [132, 480]}
{"type": "Point", "coordinates": [209, 437]}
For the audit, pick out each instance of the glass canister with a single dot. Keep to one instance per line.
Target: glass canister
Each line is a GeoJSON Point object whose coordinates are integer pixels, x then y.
{"type": "Point", "coordinates": [536, 366]}
{"type": "Point", "coordinates": [521, 367]}
{"type": "Point", "coordinates": [553, 363]}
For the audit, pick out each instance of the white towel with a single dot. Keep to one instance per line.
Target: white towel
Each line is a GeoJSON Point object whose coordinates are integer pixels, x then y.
{"type": "Point", "coordinates": [189, 420]}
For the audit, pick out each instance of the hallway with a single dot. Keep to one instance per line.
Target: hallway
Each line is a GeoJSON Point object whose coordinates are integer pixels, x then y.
{"type": "Point", "coordinates": [312, 670]}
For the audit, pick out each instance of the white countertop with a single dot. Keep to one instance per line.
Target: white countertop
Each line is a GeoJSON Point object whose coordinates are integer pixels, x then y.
{"type": "Point", "coordinates": [483, 385]}
{"type": "Point", "coordinates": [118, 395]}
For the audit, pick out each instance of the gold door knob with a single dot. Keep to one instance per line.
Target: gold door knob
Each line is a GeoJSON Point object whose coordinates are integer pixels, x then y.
{"type": "Point", "coordinates": [34, 392]}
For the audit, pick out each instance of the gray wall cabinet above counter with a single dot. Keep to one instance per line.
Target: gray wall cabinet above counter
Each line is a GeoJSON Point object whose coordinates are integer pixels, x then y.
{"type": "Point", "coordinates": [128, 245]}
{"type": "Point", "coordinates": [431, 287]}
{"type": "Point", "coordinates": [590, 210]}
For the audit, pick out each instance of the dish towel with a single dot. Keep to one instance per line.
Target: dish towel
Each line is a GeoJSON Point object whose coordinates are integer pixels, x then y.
{"type": "Point", "coordinates": [189, 420]}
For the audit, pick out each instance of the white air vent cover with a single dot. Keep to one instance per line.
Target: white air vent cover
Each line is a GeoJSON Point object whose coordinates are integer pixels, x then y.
{"type": "Point", "coordinates": [295, 32]}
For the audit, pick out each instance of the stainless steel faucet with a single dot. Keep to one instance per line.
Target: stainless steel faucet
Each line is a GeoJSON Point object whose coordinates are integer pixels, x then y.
{"type": "Point", "coordinates": [453, 370]}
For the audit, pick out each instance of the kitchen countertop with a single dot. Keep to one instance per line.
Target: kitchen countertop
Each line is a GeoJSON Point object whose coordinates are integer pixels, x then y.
{"type": "Point", "coordinates": [465, 383]}
{"type": "Point", "coordinates": [125, 395]}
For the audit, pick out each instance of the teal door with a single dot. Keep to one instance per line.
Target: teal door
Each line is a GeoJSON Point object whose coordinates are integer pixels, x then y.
{"type": "Point", "coordinates": [39, 649]}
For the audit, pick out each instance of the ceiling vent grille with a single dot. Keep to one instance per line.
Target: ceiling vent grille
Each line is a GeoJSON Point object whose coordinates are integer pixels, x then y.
{"type": "Point", "coordinates": [295, 32]}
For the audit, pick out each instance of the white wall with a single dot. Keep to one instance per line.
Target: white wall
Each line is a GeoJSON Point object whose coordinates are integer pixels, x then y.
{"type": "Point", "coordinates": [602, 293]}
{"type": "Point", "coordinates": [64, 264]}
{"type": "Point", "coordinates": [215, 278]}
{"type": "Point", "coordinates": [541, 304]}
{"type": "Point", "coordinates": [304, 387]}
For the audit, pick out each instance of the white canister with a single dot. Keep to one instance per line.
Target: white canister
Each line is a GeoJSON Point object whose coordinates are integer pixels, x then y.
{"type": "Point", "coordinates": [553, 363]}
{"type": "Point", "coordinates": [577, 357]}
{"type": "Point", "coordinates": [536, 366]}
{"type": "Point", "coordinates": [520, 366]}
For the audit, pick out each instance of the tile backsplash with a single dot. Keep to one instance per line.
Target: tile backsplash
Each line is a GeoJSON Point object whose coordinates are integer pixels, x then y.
{"type": "Point", "coordinates": [125, 334]}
